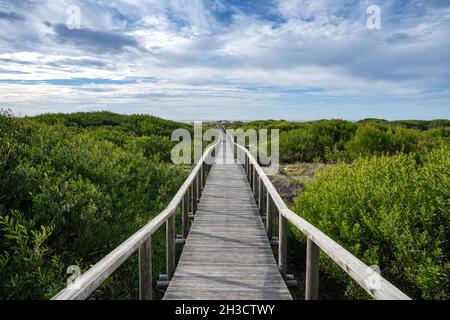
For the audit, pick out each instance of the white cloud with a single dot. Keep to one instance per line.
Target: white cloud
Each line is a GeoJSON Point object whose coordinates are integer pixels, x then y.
{"type": "Point", "coordinates": [196, 58]}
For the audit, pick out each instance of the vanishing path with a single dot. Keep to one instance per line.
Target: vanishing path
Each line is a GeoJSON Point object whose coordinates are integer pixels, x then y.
{"type": "Point", "coordinates": [227, 254]}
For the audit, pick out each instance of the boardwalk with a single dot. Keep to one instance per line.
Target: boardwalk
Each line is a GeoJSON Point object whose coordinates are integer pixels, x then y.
{"type": "Point", "coordinates": [227, 254]}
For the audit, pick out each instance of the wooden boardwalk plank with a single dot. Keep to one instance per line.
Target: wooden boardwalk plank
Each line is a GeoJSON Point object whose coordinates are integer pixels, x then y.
{"type": "Point", "coordinates": [227, 254]}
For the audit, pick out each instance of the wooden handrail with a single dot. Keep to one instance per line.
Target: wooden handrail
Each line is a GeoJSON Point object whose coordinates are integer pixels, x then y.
{"type": "Point", "coordinates": [94, 277]}
{"type": "Point", "coordinates": [378, 287]}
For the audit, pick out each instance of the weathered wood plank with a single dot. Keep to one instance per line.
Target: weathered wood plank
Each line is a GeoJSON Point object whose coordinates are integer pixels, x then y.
{"type": "Point", "coordinates": [227, 254]}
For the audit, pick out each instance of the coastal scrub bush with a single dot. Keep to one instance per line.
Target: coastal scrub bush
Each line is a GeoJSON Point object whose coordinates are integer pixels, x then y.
{"type": "Point", "coordinates": [70, 193]}
{"type": "Point", "coordinates": [390, 211]}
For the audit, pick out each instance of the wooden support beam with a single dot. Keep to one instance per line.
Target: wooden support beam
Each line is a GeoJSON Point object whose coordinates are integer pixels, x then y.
{"type": "Point", "coordinates": [145, 270]}
{"type": "Point", "coordinates": [248, 167]}
{"type": "Point", "coordinates": [255, 190]}
{"type": "Point", "coordinates": [260, 196]}
{"type": "Point", "coordinates": [254, 176]}
{"type": "Point", "coordinates": [205, 174]}
{"type": "Point", "coordinates": [200, 174]}
{"type": "Point", "coordinates": [170, 246]}
{"type": "Point", "coordinates": [163, 282]}
{"type": "Point", "coordinates": [269, 215]}
{"type": "Point", "coordinates": [274, 242]}
{"type": "Point", "coordinates": [199, 184]}
{"type": "Point", "coordinates": [250, 175]}
{"type": "Point", "coordinates": [245, 163]}
{"type": "Point", "coordinates": [180, 240]}
{"type": "Point", "coordinates": [282, 246]}
{"type": "Point", "coordinates": [194, 196]}
{"type": "Point", "coordinates": [312, 271]}
{"type": "Point", "coordinates": [185, 215]}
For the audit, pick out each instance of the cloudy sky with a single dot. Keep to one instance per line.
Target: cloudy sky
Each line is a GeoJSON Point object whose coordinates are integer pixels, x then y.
{"type": "Point", "coordinates": [227, 59]}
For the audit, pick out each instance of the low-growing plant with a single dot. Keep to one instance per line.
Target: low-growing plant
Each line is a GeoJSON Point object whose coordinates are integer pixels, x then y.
{"type": "Point", "coordinates": [314, 142]}
{"type": "Point", "coordinates": [390, 211]}
{"type": "Point", "coordinates": [371, 139]}
{"type": "Point", "coordinates": [27, 267]}
{"type": "Point", "coordinates": [76, 176]}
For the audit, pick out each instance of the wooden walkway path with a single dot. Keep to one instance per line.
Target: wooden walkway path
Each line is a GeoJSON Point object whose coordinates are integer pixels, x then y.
{"type": "Point", "coordinates": [227, 254]}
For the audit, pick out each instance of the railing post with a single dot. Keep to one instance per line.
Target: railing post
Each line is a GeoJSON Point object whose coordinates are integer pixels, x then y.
{"type": "Point", "coordinates": [282, 246]}
{"type": "Point", "coordinates": [199, 184]}
{"type": "Point", "coordinates": [204, 174]}
{"type": "Point", "coordinates": [194, 195]}
{"type": "Point", "coordinates": [185, 215]}
{"type": "Point", "coordinates": [254, 182]}
{"type": "Point", "coordinates": [170, 246]}
{"type": "Point", "coordinates": [245, 163]}
{"type": "Point", "coordinates": [247, 166]}
{"type": "Point", "coordinates": [254, 179]}
{"type": "Point", "coordinates": [201, 176]}
{"type": "Point", "coordinates": [145, 270]}
{"type": "Point", "coordinates": [260, 195]}
{"type": "Point", "coordinates": [312, 271]}
{"type": "Point", "coordinates": [256, 188]}
{"type": "Point", "coordinates": [269, 215]}
{"type": "Point", "coordinates": [250, 174]}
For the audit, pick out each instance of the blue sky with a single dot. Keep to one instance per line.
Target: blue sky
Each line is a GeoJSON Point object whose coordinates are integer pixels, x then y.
{"type": "Point", "coordinates": [227, 59]}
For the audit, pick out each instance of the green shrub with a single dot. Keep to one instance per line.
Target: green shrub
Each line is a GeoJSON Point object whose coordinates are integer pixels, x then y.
{"type": "Point", "coordinates": [156, 148]}
{"type": "Point", "coordinates": [315, 141]}
{"type": "Point", "coordinates": [85, 188]}
{"type": "Point", "coordinates": [333, 141]}
{"type": "Point", "coordinates": [388, 211]}
{"type": "Point", "coordinates": [135, 124]}
{"type": "Point", "coordinates": [371, 139]}
{"type": "Point", "coordinates": [36, 272]}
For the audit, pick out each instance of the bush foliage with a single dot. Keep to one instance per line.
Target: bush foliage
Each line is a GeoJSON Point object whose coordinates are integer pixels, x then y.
{"type": "Point", "coordinates": [390, 211]}
{"type": "Point", "coordinates": [73, 187]}
{"type": "Point", "coordinates": [332, 141]}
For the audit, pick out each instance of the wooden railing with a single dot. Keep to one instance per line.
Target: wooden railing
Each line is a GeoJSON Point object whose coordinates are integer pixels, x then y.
{"type": "Point", "coordinates": [268, 200]}
{"type": "Point", "coordinates": [141, 240]}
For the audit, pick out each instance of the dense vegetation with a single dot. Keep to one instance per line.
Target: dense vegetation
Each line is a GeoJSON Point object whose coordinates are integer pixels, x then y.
{"type": "Point", "coordinates": [73, 187]}
{"type": "Point", "coordinates": [386, 198]}
{"type": "Point", "coordinates": [390, 211]}
{"type": "Point", "coordinates": [331, 141]}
